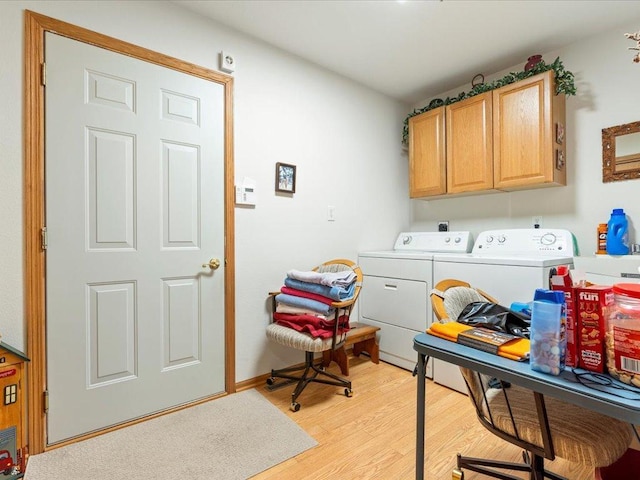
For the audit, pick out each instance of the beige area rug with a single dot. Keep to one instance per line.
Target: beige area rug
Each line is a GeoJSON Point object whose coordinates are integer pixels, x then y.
{"type": "Point", "coordinates": [233, 437]}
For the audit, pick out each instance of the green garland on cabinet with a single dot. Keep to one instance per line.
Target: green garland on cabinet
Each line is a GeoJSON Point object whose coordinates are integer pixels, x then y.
{"type": "Point", "coordinates": [564, 84]}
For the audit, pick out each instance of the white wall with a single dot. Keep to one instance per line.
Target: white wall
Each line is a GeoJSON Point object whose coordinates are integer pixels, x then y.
{"type": "Point", "coordinates": [608, 85]}
{"type": "Point", "coordinates": [344, 139]}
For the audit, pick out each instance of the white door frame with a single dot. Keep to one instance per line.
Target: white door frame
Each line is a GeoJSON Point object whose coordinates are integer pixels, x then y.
{"type": "Point", "coordinates": [35, 27]}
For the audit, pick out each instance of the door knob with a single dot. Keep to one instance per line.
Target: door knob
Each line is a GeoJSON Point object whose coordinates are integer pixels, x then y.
{"type": "Point", "coordinates": [213, 264]}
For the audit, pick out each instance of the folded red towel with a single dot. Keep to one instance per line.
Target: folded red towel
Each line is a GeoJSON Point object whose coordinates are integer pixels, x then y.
{"type": "Point", "coordinates": [317, 327]}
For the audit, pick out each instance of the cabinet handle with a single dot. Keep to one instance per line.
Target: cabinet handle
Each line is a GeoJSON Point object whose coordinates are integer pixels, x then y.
{"type": "Point", "coordinates": [390, 287]}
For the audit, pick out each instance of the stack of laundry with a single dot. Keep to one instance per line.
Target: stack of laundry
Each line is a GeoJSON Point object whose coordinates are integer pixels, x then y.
{"type": "Point", "coordinates": [306, 301]}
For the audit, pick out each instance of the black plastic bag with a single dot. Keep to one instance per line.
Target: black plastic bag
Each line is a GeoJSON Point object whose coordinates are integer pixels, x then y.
{"type": "Point", "coordinates": [496, 317]}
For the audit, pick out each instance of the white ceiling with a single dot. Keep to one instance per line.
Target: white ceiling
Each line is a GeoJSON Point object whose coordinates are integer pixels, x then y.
{"type": "Point", "coordinates": [412, 50]}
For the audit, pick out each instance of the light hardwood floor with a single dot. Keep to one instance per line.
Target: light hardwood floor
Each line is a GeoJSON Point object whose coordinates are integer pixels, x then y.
{"type": "Point", "coordinates": [372, 435]}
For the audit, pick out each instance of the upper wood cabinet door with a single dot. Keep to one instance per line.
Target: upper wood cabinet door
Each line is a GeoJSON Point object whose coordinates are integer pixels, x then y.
{"type": "Point", "coordinates": [427, 167]}
{"type": "Point", "coordinates": [470, 145]}
{"type": "Point", "coordinates": [525, 118]}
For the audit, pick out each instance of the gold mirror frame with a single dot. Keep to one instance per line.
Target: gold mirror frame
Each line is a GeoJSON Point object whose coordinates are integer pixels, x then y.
{"type": "Point", "coordinates": [616, 168]}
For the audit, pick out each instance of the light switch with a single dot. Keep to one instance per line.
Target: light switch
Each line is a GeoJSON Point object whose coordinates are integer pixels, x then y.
{"type": "Point", "coordinates": [331, 213]}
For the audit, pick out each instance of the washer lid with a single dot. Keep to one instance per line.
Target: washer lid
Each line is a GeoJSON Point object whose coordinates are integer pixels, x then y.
{"type": "Point", "coordinates": [408, 254]}
{"type": "Point", "coordinates": [510, 260]}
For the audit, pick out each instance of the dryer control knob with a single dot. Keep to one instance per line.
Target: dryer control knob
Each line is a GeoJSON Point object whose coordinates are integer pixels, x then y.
{"type": "Point", "coordinates": [501, 239]}
{"type": "Point", "coordinates": [548, 239]}
{"type": "Point", "coordinates": [457, 240]}
{"type": "Point", "coordinates": [447, 240]}
{"type": "Point", "coordinates": [406, 240]}
{"type": "Point", "coordinates": [489, 238]}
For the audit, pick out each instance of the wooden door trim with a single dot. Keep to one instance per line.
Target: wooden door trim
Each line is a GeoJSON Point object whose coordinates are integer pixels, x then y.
{"type": "Point", "coordinates": [34, 162]}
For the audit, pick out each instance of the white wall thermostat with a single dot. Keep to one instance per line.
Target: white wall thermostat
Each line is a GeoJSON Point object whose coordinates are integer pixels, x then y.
{"type": "Point", "coordinates": [246, 192]}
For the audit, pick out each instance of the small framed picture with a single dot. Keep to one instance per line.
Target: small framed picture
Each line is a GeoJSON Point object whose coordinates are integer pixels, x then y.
{"type": "Point", "coordinates": [559, 133]}
{"type": "Point", "coordinates": [285, 178]}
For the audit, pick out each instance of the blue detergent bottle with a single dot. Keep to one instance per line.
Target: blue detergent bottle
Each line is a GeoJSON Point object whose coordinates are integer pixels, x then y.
{"type": "Point", "coordinates": [618, 233]}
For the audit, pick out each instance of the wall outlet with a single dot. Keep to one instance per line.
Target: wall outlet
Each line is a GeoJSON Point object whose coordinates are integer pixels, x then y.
{"type": "Point", "coordinates": [443, 226]}
{"type": "Point", "coordinates": [536, 221]}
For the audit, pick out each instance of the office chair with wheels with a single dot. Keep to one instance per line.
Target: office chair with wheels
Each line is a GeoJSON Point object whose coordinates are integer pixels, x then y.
{"type": "Point", "coordinates": [543, 427]}
{"type": "Point", "coordinates": [308, 338]}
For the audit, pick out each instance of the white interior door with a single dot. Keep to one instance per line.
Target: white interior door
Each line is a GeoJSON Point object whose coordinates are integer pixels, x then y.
{"type": "Point", "coordinates": [134, 208]}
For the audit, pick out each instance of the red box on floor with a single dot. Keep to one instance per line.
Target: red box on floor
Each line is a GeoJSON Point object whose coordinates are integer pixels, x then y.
{"type": "Point", "coordinates": [593, 306]}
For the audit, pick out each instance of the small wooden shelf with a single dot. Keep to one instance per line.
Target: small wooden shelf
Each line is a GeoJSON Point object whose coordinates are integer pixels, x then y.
{"type": "Point", "coordinates": [363, 339]}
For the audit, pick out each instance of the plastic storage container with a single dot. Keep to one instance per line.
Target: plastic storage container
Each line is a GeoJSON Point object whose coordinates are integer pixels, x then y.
{"type": "Point", "coordinates": [618, 233]}
{"type": "Point", "coordinates": [623, 334]}
{"type": "Point", "coordinates": [548, 343]}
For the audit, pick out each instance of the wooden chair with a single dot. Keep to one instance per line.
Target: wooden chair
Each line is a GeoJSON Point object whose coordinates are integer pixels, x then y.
{"type": "Point", "coordinates": [543, 427]}
{"type": "Point", "coordinates": [313, 369]}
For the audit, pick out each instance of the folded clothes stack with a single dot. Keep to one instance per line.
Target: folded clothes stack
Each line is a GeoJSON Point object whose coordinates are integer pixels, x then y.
{"type": "Point", "coordinates": [309, 301]}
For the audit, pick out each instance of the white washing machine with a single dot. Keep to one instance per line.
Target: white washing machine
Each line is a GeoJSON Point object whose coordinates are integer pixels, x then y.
{"type": "Point", "coordinates": [396, 287]}
{"type": "Point", "coordinates": [507, 264]}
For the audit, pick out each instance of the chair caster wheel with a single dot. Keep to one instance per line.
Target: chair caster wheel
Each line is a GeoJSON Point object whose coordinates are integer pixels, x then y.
{"type": "Point", "coordinates": [348, 392]}
{"type": "Point", "coordinates": [294, 407]}
{"type": "Point", "coordinates": [271, 381]}
{"type": "Point", "coordinates": [457, 474]}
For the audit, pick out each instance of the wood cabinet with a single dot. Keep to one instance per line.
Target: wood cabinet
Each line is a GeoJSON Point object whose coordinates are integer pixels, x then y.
{"type": "Point", "coordinates": [427, 155]}
{"type": "Point", "coordinates": [469, 145]}
{"type": "Point", "coordinates": [507, 139]}
{"type": "Point", "coordinates": [526, 151]}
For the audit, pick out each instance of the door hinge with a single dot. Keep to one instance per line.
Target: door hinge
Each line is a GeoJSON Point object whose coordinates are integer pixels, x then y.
{"type": "Point", "coordinates": [44, 238]}
{"type": "Point", "coordinates": [43, 73]}
{"type": "Point", "coordinates": [45, 401]}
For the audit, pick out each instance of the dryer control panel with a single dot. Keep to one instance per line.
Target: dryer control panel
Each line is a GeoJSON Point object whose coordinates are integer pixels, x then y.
{"type": "Point", "coordinates": [539, 241]}
{"type": "Point", "coordinates": [451, 242]}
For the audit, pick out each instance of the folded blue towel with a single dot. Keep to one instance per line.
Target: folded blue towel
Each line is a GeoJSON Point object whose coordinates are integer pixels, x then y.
{"type": "Point", "coordinates": [335, 293]}
{"type": "Point", "coordinates": [302, 302]}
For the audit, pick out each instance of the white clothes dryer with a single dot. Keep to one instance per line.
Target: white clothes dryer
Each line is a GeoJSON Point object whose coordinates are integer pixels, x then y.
{"type": "Point", "coordinates": [507, 264]}
{"type": "Point", "coordinates": [396, 287]}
